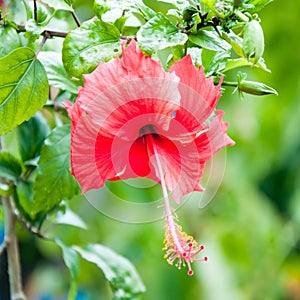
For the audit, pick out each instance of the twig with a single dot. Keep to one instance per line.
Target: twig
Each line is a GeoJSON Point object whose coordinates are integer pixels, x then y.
{"type": "Point", "coordinates": [46, 36]}
{"type": "Point", "coordinates": [34, 10]}
{"type": "Point", "coordinates": [14, 266]}
{"type": "Point", "coordinates": [48, 33]}
{"type": "Point", "coordinates": [75, 18]}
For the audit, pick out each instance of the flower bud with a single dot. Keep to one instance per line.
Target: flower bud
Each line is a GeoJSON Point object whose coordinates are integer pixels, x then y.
{"type": "Point", "coordinates": [253, 42]}
{"type": "Point", "coordinates": [255, 88]}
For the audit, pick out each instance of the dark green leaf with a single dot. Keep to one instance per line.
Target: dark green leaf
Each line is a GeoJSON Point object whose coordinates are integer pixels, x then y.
{"type": "Point", "coordinates": [9, 40]}
{"type": "Point", "coordinates": [159, 33]}
{"type": "Point", "coordinates": [31, 136]}
{"type": "Point", "coordinates": [57, 75]}
{"type": "Point", "coordinates": [10, 167]}
{"type": "Point", "coordinates": [209, 40]}
{"type": "Point", "coordinates": [25, 197]}
{"type": "Point", "coordinates": [120, 273]}
{"type": "Point", "coordinates": [54, 181]}
{"type": "Point", "coordinates": [86, 46]}
{"type": "Point", "coordinates": [23, 88]}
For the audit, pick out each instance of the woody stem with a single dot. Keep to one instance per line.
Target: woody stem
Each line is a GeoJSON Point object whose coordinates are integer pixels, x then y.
{"type": "Point", "coordinates": [168, 209]}
{"type": "Point", "coordinates": [14, 266]}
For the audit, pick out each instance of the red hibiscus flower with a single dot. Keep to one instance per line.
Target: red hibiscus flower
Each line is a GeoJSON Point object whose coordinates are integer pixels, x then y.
{"type": "Point", "coordinates": [133, 119]}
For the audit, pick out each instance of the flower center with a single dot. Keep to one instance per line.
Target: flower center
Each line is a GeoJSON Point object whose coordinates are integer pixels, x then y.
{"type": "Point", "coordinates": [147, 129]}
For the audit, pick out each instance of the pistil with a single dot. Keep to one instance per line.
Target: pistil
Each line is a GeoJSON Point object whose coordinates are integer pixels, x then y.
{"type": "Point", "coordinates": [180, 248]}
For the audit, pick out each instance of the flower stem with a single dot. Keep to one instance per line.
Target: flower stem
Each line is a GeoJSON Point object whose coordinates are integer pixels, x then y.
{"type": "Point", "coordinates": [11, 242]}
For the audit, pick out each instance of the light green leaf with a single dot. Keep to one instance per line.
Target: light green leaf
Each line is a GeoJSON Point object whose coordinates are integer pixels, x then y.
{"type": "Point", "coordinates": [23, 88]}
{"type": "Point", "coordinates": [159, 6]}
{"type": "Point", "coordinates": [5, 190]}
{"type": "Point", "coordinates": [57, 75]}
{"type": "Point", "coordinates": [70, 257]}
{"type": "Point", "coordinates": [214, 61]}
{"type": "Point", "coordinates": [54, 181]}
{"type": "Point", "coordinates": [235, 41]}
{"type": "Point", "coordinates": [120, 273]}
{"type": "Point", "coordinates": [58, 4]}
{"type": "Point", "coordinates": [159, 33]}
{"type": "Point", "coordinates": [31, 136]}
{"type": "Point", "coordinates": [242, 62]}
{"type": "Point", "coordinates": [70, 218]}
{"type": "Point", "coordinates": [10, 167]}
{"type": "Point", "coordinates": [71, 260]}
{"type": "Point", "coordinates": [9, 40]}
{"type": "Point", "coordinates": [257, 5]}
{"type": "Point", "coordinates": [195, 54]}
{"type": "Point", "coordinates": [209, 40]}
{"type": "Point", "coordinates": [86, 46]}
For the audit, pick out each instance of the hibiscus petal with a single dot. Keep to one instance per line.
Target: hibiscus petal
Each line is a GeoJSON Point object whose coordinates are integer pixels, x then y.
{"type": "Point", "coordinates": [134, 68]}
{"type": "Point", "coordinates": [199, 96]}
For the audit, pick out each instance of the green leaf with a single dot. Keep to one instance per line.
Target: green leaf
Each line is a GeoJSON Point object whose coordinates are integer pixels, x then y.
{"type": "Point", "coordinates": [86, 46]}
{"type": "Point", "coordinates": [58, 5]}
{"type": "Point", "coordinates": [9, 40]}
{"type": "Point", "coordinates": [214, 61]}
{"type": "Point", "coordinates": [23, 88]}
{"type": "Point", "coordinates": [70, 218]}
{"type": "Point", "coordinates": [257, 5]}
{"type": "Point", "coordinates": [10, 167]}
{"type": "Point", "coordinates": [242, 62]}
{"type": "Point", "coordinates": [118, 7]}
{"type": "Point", "coordinates": [235, 41]}
{"type": "Point", "coordinates": [159, 33]}
{"type": "Point", "coordinates": [57, 75]}
{"type": "Point", "coordinates": [54, 181]}
{"type": "Point", "coordinates": [70, 257]}
{"type": "Point", "coordinates": [169, 55]}
{"type": "Point", "coordinates": [6, 190]}
{"type": "Point", "coordinates": [71, 260]}
{"type": "Point", "coordinates": [120, 273]}
{"type": "Point", "coordinates": [159, 6]}
{"type": "Point", "coordinates": [25, 197]}
{"type": "Point", "coordinates": [195, 54]}
{"type": "Point", "coordinates": [31, 137]}
{"type": "Point", "coordinates": [209, 40]}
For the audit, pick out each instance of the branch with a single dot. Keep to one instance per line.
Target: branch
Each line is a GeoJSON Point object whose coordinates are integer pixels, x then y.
{"type": "Point", "coordinates": [14, 266]}
{"type": "Point", "coordinates": [48, 33]}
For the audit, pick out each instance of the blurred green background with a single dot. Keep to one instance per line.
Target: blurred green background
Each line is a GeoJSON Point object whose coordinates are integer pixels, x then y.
{"type": "Point", "coordinates": [251, 228]}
